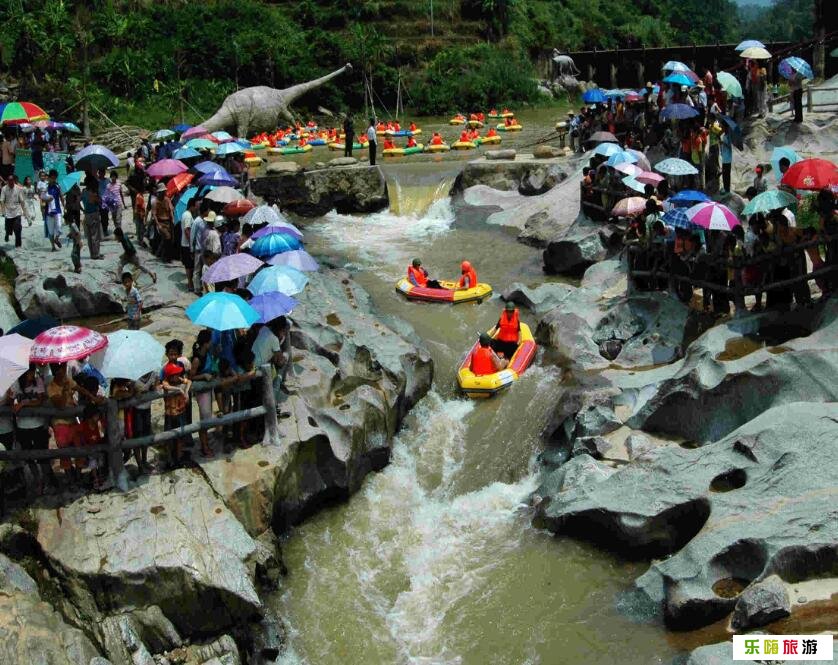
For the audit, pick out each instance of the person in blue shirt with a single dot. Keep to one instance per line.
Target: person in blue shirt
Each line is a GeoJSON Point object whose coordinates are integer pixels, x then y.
{"type": "Point", "coordinates": [726, 153]}
{"type": "Point", "coordinates": [54, 210]}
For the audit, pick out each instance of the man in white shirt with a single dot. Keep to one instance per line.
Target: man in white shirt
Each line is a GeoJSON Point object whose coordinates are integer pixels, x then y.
{"type": "Point", "coordinates": [267, 348]}
{"type": "Point", "coordinates": [13, 205]}
{"type": "Point", "coordinates": [186, 221]}
{"type": "Point", "coordinates": [212, 240]}
{"type": "Point", "coordinates": [371, 138]}
{"type": "Point", "coordinates": [196, 244]}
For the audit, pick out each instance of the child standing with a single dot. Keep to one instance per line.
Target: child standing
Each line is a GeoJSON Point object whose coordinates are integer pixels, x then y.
{"type": "Point", "coordinates": [175, 402]}
{"type": "Point", "coordinates": [133, 302]}
{"type": "Point", "coordinates": [129, 256]}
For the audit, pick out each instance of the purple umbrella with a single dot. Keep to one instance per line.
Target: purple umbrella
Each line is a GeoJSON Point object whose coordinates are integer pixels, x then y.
{"type": "Point", "coordinates": [218, 179]}
{"type": "Point", "coordinates": [277, 228]}
{"type": "Point", "coordinates": [95, 157]}
{"type": "Point", "coordinates": [678, 112]}
{"type": "Point", "coordinates": [297, 258]}
{"type": "Point", "coordinates": [166, 168]}
{"type": "Point", "coordinates": [209, 167]}
{"type": "Point", "coordinates": [193, 132]}
{"type": "Point", "coordinates": [272, 305]}
{"type": "Point", "coordinates": [231, 267]}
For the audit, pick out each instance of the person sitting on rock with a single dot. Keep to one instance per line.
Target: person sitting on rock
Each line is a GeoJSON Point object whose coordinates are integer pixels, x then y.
{"type": "Point", "coordinates": [411, 143]}
{"type": "Point", "coordinates": [484, 360]}
{"type": "Point", "coordinates": [418, 276]}
{"type": "Point", "coordinates": [436, 139]}
{"type": "Point", "coordinates": [388, 144]}
{"type": "Point", "coordinates": [468, 280]}
{"type": "Point", "coordinates": [506, 334]}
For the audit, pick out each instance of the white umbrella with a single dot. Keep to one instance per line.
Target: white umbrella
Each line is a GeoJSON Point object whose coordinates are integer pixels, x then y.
{"type": "Point", "coordinates": [224, 195]}
{"type": "Point", "coordinates": [131, 354]}
{"type": "Point", "coordinates": [14, 359]}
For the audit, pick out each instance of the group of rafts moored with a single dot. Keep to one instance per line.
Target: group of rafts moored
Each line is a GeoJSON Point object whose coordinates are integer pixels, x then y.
{"type": "Point", "coordinates": [501, 355]}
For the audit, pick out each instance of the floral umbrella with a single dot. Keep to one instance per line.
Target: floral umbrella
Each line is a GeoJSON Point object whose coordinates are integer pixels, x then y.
{"type": "Point", "coordinates": [64, 343]}
{"type": "Point", "coordinates": [811, 174]}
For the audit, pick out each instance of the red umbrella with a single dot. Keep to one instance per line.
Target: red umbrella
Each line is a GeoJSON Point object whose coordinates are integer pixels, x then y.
{"type": "Point", "coordinates": [166, 168]}
{"type": "Point", "coordinates": [65, 343]}
{"type": "Point", "coordinates": [178, 183]}
{"type": "Point", "coordinates": [811, 174]}
{"type": "Point", "coordinates": [238, 208]}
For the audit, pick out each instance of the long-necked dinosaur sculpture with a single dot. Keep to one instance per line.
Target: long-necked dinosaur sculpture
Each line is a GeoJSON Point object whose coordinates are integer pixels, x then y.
{"type": "Point", "coordinates": [260, 108]}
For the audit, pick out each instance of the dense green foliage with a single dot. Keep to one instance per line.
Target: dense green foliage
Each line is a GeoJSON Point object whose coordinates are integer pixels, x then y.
{"type": "Point", "coordinates": [147, 61]}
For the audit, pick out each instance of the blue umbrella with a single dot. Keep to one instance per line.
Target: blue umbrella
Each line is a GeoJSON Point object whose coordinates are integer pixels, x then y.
{"type": "Point", "coordinates": [71, 127]}
{"type": "Point", "coordinates": [675, 166]}
{"type": "Point", "coordinates": [279, 227]}
{"type": "Point", "coordinates": [186, 153]}
{"type": "Point", "coordinates": [749, 43]}
{"type": "Point", "coordinates": [735, 132]}
{"type": "Point", "coordinates": [675, 66]}
{"type": "Point", "coordinates": [631, 183]}
{"type": "Point", "coordinates": [70, 180]}
{"type": "Point", "coordinates": [607, 149]}
{"type": "Point", "coordinates": [678, 79]}
{"type": "Point", "coordinates": [616, 94]}
{"type": "Point", "coordinates": [222, 311]}
{"type": "Point", "coordinates": [228, 149]}
{"type": "Point", "coordinates": [244, 143]}
{"type": "Point", "coordinates": [783, 152]}
{"type": "Point", "coordinates": [594, 96]}
{"type": "Point", "coordinates": [31, 328]}
{"type": "Point", "coordinates": [289, 281]}
{"type": "Point", "coordinates": [209, 167]}
{"type": "Point", "coordinates": [678, 112]}
{"type": "Point", "coordinates": [276, 243]}
{"type": "Point", "coordinates": [796, 68]}
{"type": "Point", "coordinates": [95, 157]}
{"type": "Point", "coordinates": [296, 258]}
{"type": "Point", "coordinates": [180, 129]}
{"type": "Point", "coordinates": [218, 179]}
{"type": "Point", "coordinates": [689, 196]}
{"type": "Point", "coordinates": [187, 195]}
{"type": "Point", "coordinates": [621, 157]}
{"type": "Point", "coordinates": [272, 305]}
{"type": "Point", "coordinates": [677, 217]}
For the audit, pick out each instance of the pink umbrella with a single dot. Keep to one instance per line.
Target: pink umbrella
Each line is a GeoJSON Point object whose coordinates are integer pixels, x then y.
{"type": "Point", "coordinates": [628, 168]}
{"type": "Point", "coordinates": [193, 133]}
{"type": "Point", "coordinates": [628, 207]}
{"type": "Point", "coordinates": [65, 343]}
{"type": "Point", "coordinates": [648, 178]}
{"type": "Point", "coordinates": [712, 216]}
{"type": "Point", "coordinates": [166, 168]}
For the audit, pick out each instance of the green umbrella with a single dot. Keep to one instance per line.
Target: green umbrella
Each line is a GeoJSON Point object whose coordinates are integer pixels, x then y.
{"type": "Point", "coordinates": [201, 144]}
{"type": "Point", "coordinates": [773, 199]}
{"type": "Point", "coordinates": [71, 179]}
{"type": "Point", "coordinates": [730, 84]}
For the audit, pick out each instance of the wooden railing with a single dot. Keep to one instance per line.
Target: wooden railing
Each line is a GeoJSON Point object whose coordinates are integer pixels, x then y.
{"type": "Point", "coordinates": [810, 103]}
{"type": "Point", "coordinates": [661, 263]}
{"type": "Point", "coordinates": [117, 443]}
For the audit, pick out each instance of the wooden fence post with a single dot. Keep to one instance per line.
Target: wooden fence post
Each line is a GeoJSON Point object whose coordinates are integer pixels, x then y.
{"type": "Point", "coordinates": [117, 469]}
{"type": "Point", "coordinates": [269, 401]}
{"type": "Point", "coordinates": [809, 102]}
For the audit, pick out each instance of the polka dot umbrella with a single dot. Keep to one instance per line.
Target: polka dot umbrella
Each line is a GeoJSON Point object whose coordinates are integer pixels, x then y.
{"type": "Point", "coordinates": [64, 343]}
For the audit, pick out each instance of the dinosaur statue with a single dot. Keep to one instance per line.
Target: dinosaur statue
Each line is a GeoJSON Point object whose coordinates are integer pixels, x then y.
{"type": "Point", "coordinates": [259, 108]}
{"type": "Point", "coordinates": [563, 65]}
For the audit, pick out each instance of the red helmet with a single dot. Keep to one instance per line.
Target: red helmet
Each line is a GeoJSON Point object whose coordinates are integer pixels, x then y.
{"type": "Point", "coordinates": [465, 266]}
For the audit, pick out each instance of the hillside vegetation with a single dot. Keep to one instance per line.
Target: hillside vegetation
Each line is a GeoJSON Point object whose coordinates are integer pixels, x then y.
{"type": "Point", "coordinates": [143, 61]}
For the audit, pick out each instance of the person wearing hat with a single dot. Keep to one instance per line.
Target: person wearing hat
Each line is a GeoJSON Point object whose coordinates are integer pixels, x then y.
{"type": "Point", "coordinates": [484, 360]}
{"type": "Point", "coordinates": [212, 240]}
{"type": "Point", "coordinates": [418, 276]}
{"type": "Point", "coordinates": [507, 332]}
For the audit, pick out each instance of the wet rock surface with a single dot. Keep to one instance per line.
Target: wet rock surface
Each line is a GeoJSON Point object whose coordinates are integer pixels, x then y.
{"type": "Point", "coordinates": [722, 514]}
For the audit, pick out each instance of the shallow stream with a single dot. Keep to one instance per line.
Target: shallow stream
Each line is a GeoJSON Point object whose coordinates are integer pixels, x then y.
{"type": "Point", "coordinates": [434, 560]}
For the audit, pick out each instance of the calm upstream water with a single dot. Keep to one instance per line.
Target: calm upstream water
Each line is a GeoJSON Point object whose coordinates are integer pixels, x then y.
{"type": "Point", "coordinates": [434, 560]}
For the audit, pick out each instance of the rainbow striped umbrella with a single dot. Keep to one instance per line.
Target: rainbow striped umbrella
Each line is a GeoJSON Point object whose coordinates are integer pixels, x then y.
{"type": "Point", "coordinates": [713, 216]}
{"type": "Point", "coordinates": [15, 113]}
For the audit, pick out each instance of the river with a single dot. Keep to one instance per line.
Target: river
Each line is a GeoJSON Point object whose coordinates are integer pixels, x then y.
{"type": "Point", "coordinates": [434, 560]}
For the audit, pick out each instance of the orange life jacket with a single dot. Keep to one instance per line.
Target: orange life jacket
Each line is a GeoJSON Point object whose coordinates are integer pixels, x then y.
{"type": "Point", "coordinates": [437, 139]}
{"type": "Point", "coordinates": [508, 327]}
{"type": "Point", "coordinates": [418, 274]}
{"type": "Point", "coordinates": [411, 142]}
{"type": "Point", "coordinates": [481, 361]}
{"type": "Point", "coordinates": [397, 127]}
{"type": "Point", "coordinates": [464, 136]}
{"type": "Point", "coordinates": [388, 144]}
{"type": "Point", "coordinates": [412, 126]}
{"type": "Point", "coordinates": [472, 279]}
{"type": "Point", "coordinates": [491, 132]}
{"type": "Point", "coordinates": [493, 112]}
{"type": "Point", "coordinates": [472, 116]}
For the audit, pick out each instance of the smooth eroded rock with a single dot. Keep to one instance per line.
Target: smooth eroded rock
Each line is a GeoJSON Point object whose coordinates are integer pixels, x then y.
{"type": "Point", "coordinates": [283, 167]}
{"type": "Point", "coordinates": [761, 603]}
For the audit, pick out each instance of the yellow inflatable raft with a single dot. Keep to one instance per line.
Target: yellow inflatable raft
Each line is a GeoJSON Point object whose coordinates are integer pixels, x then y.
{"type": "Point", "coordinates": [457, 121]}
{"type": "Point", "coordinates": [398, 152]}
{"type": "Point", "coordinates": [475, 123]}
{"type": "Point", "coordinates": [463, 145]}
{"type": "Point", "coordinates": [502, 127]}
{"type": "Point", "coordinates": [488, 140]}
{"type": "Point", "coordinates": [448, 292]}
{"type": "Point", "coordinates": [441, 147]}
{"type": "Point", "coordinates": [487, 385]}
{"type": "Point", "coordinates": [253, 161]}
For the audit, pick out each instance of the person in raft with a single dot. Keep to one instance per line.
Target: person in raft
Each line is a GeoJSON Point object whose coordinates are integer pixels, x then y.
{"type": "Point", "coordinates": [484, 360]}
{"type": "Point", "coordinates": [418, 276]}
{"type": "Point", "coordinates": [492, 132]}
{"type": "Point", "coordinates": [437, 139]}
{"type": "Point", "coordinates": [464, 137]}
{"type": "Point", "coordinates": [509, 122]}
{"type": "Point", "coordinates": [508, 330]}
{"type": "Point", "coordinates": [388, 144]}
{"type": "Point", "coordinates": [468, 280]}
{"type": "Point", "coordinates": [411, 142]}
{"type": "Point", "coordinates": [412, 126]}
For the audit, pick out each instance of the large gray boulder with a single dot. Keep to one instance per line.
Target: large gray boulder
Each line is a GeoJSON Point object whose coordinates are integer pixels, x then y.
{"type": "Point", "coordinates": [540, 299]}
{"type": "Point", "coordinates": [31, 630]}
{"type": "Point", "coordinates": [169, 542]}
{"type": "Point", "coordinates": [539, 181]}
{"type": "Point", "coordinates": [523, 173]}
{"type": "Point", "coordinates": [736, 388]}
{"type": "Point", "coordinates": [313, 193]}
{"type": "Point", "coordinates": [722, 516]}
{"type": "Point", "coordinates": [761, 603]}
{"type": "Point", "coordinates": [584, 243]}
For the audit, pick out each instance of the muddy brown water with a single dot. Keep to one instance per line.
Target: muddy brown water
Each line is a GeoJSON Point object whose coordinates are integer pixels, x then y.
{"type": "Point", "coordinates": [434, 560]}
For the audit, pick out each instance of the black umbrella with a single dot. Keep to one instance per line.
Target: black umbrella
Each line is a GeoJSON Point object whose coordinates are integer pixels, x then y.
{"type": "Point", "coordinates": [31, 328]}
{"type": "Point", "coordinates": [735, 132]}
